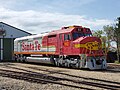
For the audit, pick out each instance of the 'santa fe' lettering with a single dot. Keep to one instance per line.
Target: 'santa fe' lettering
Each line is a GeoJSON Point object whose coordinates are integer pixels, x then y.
{"type": "Point", "coordinates": [30, 46]}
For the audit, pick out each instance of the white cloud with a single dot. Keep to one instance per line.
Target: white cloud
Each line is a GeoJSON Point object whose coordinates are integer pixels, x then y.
{"type": "Point", "coordinates": [37, 22]}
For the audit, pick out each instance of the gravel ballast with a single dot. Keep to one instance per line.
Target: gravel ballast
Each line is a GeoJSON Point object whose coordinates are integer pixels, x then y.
{"type": "Point", "coordinates": [22, 76]}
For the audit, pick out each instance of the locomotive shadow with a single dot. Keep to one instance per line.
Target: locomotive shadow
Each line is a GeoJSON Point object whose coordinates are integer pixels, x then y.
{"type": "Point", "coordinates": [109, 70]}
{"type": "Point", "coordinates": [44, 78]}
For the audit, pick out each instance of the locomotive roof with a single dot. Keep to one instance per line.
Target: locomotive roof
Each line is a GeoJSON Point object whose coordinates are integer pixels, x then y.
{"type": "Point", "coordinates": [31, 36]}
{"type": "Point", "coordinates": [61, 31]}
{"type": "Point", "coordinates": [64, 30]}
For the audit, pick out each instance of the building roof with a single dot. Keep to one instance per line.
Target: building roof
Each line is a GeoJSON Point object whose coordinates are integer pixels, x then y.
{"type": "Point", "coordinates": [16, 28]}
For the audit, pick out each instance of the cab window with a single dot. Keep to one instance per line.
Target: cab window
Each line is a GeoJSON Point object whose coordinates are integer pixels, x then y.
{"type": "Point", "coordinates": [67, 37]}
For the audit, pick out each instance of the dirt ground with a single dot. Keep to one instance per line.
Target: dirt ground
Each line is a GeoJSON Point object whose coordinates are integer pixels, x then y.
{"type": "Point", "coordinates": [22, 76]}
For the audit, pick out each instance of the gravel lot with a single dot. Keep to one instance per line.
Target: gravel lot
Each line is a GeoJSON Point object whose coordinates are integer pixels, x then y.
{"type": "Point", "coordinates": [21, 76]}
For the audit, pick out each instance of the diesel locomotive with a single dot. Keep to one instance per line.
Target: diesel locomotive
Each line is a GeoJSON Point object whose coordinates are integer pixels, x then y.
{"type": "Point", "coordinates": [72, 46]}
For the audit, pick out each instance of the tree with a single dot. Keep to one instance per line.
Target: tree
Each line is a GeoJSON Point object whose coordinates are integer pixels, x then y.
{"type": "Point", "coordinates": [104, 41]}
{"type": "Point", "coordinates": [106, 35]}
{"type": "Point", "coordinates": [98, 33]}
{"type": "Point", "coordinates": [109, 33]}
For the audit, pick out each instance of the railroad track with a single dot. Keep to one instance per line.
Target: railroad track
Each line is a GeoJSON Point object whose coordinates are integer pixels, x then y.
{"type": "Point", "coordinates": [35, 77]}
{"type": "Point", "coordinates": [113, 65]}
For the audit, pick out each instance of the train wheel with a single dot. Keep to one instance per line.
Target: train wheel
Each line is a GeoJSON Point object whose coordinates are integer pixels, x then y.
{"type": "Point", "coordinates": [24, 59]}
{"type": "Point", "coordinates": [78, 63]}
{"type": "Point", "coordinates": [21, 58]}
{"type": "Point", "coordinates": [67, 64]}
{"type": "Point", "coordinates": [18, 59]}
{"type": "Point", "coordinates": [57, 63]}
{"type": "Point", "coordinates": [15, 58]}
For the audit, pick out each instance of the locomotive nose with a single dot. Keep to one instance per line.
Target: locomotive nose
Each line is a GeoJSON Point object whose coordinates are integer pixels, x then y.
{"type": "Point", "coordinates": [89, 43]}
{"type": "Point", "coordinates": [92, 43]}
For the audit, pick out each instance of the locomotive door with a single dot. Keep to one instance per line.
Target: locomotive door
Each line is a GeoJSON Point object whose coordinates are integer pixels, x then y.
{"type": "Point", "coordinates": [61, 44]}
{"type": "Point", "coordinates": [67, 43]}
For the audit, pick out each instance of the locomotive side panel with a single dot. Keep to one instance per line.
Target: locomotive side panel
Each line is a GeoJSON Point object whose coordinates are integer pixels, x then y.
{"type": "Point", "coordinates": [52, 43]}
{"type": "Point", "coordinates": [28, 46]}
{"type": "Point", "coordinates": [34, 45]}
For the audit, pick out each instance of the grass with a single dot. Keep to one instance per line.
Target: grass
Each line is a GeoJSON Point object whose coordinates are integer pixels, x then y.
{"type": "Point", "coordinates": [117, 62]}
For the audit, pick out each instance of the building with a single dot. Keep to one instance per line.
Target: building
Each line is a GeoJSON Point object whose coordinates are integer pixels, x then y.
{"type": "Point", "coordinates": [7, 35]}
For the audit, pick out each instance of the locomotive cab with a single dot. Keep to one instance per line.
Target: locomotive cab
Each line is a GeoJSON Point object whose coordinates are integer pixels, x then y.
{"type": "Point", "coordinates": [81, 32]}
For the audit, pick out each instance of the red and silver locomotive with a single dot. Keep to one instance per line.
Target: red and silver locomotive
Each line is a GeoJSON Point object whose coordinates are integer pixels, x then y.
{"type": "Point", "coordinates": [72, 46]}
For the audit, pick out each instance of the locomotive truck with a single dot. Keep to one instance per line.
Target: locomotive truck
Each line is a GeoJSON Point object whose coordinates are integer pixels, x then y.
{"type": "Point", "coordinates": [72, 46]}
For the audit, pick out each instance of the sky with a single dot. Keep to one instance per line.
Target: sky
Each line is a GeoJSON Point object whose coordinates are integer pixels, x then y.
{"type": "Point", "coordinates": [38, 16]}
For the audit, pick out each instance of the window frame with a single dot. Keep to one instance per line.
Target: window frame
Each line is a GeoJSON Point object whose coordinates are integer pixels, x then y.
{"type": "Point", "coordinates": [67, 36]}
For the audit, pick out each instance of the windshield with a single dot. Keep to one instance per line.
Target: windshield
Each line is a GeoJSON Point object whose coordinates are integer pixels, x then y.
{"type": "Point", "coordinates": [80, 34]}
